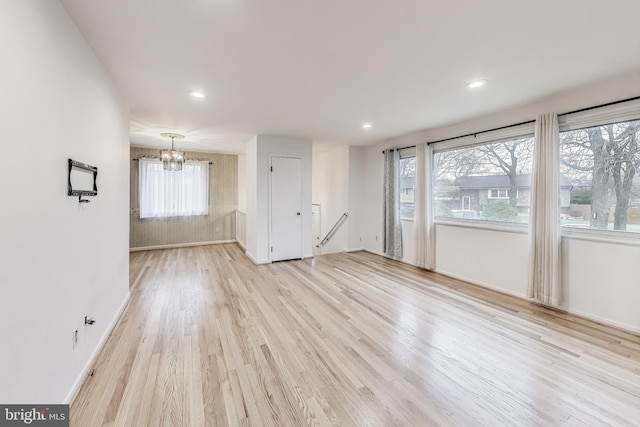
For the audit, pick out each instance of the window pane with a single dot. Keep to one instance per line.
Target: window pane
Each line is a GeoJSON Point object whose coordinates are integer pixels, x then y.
{"type": "Point", "coordinates": [490, 182]}
{"type": "Point", "coordinates": [600, 165]}
{"type": "Point", "coordinates": [407, 186]}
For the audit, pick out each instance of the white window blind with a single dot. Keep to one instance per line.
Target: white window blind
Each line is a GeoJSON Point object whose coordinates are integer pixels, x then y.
{"type": "Point", "coordinates": [173, 193]}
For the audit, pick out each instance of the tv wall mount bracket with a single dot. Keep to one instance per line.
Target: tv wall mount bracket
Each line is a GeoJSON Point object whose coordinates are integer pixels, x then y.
{"type": "Point", "coordinates": [82, 167]}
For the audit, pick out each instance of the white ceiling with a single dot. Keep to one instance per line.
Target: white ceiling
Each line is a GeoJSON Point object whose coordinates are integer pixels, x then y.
{"type": "Point", "coordinates": [320, 68]}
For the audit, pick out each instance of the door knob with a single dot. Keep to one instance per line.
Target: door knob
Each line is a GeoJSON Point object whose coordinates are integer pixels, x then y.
{"type": "Point", "coordinates": [298, 213]}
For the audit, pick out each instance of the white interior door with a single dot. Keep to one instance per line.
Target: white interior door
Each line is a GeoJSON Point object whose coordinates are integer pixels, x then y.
{"type": "Point", "coordinates": [286, 208]}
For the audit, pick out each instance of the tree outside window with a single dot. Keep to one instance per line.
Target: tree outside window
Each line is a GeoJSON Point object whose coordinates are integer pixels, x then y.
{"type": "Point", "coordinates": [602, 163]}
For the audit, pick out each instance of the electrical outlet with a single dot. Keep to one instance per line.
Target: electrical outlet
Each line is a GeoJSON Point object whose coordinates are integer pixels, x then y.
{"type": "Point", "coordinates": [75, 339]}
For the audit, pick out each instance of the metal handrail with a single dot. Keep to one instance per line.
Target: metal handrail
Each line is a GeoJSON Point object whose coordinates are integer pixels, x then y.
{"type": "Point", "coordinates": [333, 229]}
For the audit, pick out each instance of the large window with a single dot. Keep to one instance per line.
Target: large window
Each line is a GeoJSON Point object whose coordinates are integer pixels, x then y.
{"type": "Point", "coordinates": [602, 167]}
{"type": "Point", "coordinates": [407, 169]}
{"type": "Point", "coordinates": [173, 193]}
{"type": "Point", "coordinates": [489, 182]}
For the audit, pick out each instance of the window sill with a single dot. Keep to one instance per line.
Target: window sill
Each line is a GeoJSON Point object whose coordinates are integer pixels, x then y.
{"type": "Point", "coordinates": [508, 227]}
{"type": "Point", "coordinates": [605, 236]}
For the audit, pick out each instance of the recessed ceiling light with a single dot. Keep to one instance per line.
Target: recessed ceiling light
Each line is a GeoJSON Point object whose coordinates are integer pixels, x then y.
{"type": "Point", "coordinates": [476, 83]}
{"type": "Point", "coordinates": [367, 125]}
{"type": "Point", "coordinates": [197, 94]}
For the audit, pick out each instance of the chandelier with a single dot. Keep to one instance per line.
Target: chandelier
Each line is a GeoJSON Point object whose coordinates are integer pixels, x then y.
{"type": "Point", "coordinates": [173, 159]}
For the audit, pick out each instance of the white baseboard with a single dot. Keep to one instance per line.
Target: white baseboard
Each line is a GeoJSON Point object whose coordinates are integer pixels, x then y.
{"type": "Point", "coordinates": [602, 320]}
{"type": "Point", "coordinates": [371, 251]}
{"type": "Point", "coordinates": [564, 308]}
{"type": "Point", "coordinates": [251, 257]}
{"type": "Point", "coordinates": [255, 261]}
{"type": "Point", "coordinates": [180, 245]}
{"type": "Point", "coordinates": [244, 248]}
{"type": "Point", "coordinates": [481, 284]}
{"type": "Point", "coordinates": [85, 371]}
{"type": "Point", "coordinates": [355, 249]}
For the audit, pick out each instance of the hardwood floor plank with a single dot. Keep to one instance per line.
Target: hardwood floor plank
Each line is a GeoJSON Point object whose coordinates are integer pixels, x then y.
{"type": "Point", "coordinates": [210, 339]}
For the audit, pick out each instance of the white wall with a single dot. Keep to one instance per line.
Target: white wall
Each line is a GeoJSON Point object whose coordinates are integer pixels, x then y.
{"type": "Point", "coordinates": [59, 260]}
{"type": "Point", "coordinates": [495, 259]}
{"type": "Point", "coordinates": [330, 191]}
{"type": "Point", "coordinates": [365, 198]}
{"type": "Point", "coordinates": [242, 183]}
{"type": "Point", "coordinates": [344, 181]}
{"type": "Point", "coordinates": [357, 163]}
{"type": "Point", "coordinates": [259, 151]}
{"type": "Point", "coordinates": [602, 279]}
{"type": "Point", "coordinates": [252, 200]}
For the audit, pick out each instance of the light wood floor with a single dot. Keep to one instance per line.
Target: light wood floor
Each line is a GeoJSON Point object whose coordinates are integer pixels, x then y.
{"type": "Point", "coordinates": [209, 339]}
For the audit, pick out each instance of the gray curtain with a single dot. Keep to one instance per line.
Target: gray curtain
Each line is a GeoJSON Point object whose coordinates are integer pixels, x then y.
{"type": "Point", "coordinates": [392, 228]}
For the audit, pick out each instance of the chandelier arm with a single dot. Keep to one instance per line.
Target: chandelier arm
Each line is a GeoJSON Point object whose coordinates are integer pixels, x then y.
{"type": "Point", "coordinates": [172, 159]}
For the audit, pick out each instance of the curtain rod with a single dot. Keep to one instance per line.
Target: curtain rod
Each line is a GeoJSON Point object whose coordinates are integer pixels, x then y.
{"type": "Point", "coordinates": [523, 123]}
{"type": "Point", "coordinates": [599, 106]}
{"type": "Point", "coordinates": [533, 121]}
{"type": "Point", "coordinates": [483, 131]}
{"type": "Point", "coordinates": [468, 134]}
{"type": "Point", "coordinates": [401, 148]}
{"type": "Point", "coordinates": [157, 158]}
